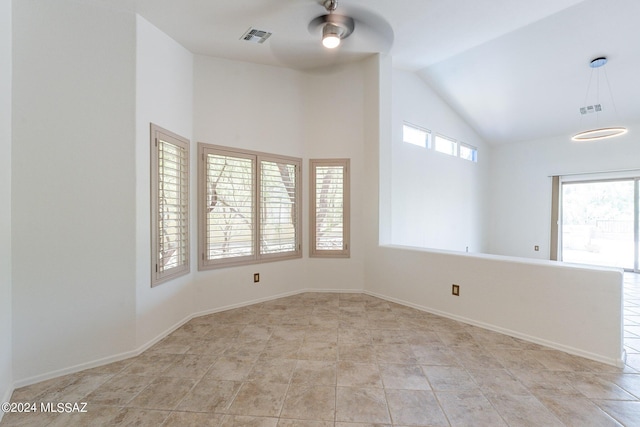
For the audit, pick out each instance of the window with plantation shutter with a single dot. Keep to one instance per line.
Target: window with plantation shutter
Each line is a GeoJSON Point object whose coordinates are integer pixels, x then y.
{"type": "Point", "coordinates": [248, 208]}
{"type": "Point", "coordinates": [229, 206]}
{"type": "Point", "coordinates": [329, 198]}
{"type": "Point", "coordinates": [278, 207]}
{"type": "Point", "coordinates": [169, 205]}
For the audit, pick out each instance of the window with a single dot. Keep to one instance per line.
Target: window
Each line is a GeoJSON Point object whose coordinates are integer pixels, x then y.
{"type": "Point", "coordinates": [468, 152]}
{"type": "Point", "coordinates": [169, 205]}
{"type": "Point", "coordinates": [249, 207]}
{"type": "Point", "coordinates": [598, 221]}
{"type": "Point", "coordinates": [329, 198]}
{"type": "Point", "coordinates": [446, 145]}
{"type": "Point", "coordinates": [415, 135]}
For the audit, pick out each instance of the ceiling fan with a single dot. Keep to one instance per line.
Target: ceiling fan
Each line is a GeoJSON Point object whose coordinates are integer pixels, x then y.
{"type": "Point", "coordinates": [366, 31]}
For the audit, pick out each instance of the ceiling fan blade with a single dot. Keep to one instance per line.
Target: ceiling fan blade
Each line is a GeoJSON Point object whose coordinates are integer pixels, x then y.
{"type": "Point", "coordinates": [372, 30]}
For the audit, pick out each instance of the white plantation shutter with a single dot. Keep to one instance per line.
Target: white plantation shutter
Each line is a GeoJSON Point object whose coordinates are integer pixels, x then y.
{"type": "Point", "coordinates": [229, 206]}
{"type": "Point", "coordinates": [248, 207]}
{"type": "Point", "coordinates": [170, 205]}
{"type": "Point", "coordinates": [330, 208]}
{"type": "Point", "coordinates": [173, 192]}
{"type": "Point", "coordinates": [278, 207]}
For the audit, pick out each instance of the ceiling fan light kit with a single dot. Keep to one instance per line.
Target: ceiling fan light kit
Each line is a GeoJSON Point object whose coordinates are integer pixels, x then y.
{"type": "Point", "coordinates": [334, 27]}
{"type": "Point", "coordinates": [599, 133]}
{"type": "Point", "coordinates": [331, 35]}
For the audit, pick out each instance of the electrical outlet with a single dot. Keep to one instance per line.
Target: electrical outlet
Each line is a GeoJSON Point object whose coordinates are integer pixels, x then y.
{"type": "Point", "coordinates": [455, 290]}
{"type": "Point", "coordinates": [536, 248]}
{"type": "Point", "coordinates": [256, 277]}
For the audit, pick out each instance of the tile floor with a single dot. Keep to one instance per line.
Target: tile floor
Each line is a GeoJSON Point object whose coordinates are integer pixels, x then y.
{"type": "Point", "coordinates": [347, 360]}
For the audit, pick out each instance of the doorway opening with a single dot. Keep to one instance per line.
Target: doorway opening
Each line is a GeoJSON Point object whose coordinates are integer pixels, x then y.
{"type": "Point", "coordinates": [599, 223]}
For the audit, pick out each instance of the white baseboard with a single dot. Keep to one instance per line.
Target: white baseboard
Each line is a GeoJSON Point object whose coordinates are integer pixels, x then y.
{"type": "Point", "coordinates": [142, 348]}
{"type": "Point", "coordinates": [245, 304]}
{"type": "Point", "coordinates": [76, 368]}
{"type": "Point", "coordinates": [567, 349]}
{"type": "Point", "coordinates": [271, 298]}
{"type": "Point", "coordinates": [6, 398]}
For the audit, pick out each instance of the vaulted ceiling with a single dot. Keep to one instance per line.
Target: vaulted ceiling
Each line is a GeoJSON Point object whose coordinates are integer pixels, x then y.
{"type": "Point", "coordinates": [513, 69]}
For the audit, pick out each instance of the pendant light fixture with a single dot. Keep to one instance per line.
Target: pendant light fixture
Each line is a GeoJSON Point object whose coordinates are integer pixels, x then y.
{"type": "Point", "coordinates": [598, 133]}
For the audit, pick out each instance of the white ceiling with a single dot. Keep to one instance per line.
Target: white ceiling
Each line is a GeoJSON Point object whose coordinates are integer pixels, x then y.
{"type": "Point", "coordinates": [514, 69]}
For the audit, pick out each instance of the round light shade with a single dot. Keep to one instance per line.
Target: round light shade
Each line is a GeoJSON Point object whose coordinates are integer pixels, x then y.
{"type": "Point", "coordinates": [331, 36]}
{"type": "Point", "coordinates": [602, 133]}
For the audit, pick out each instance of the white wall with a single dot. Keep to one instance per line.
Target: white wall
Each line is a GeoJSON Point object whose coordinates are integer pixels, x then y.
{"type": "Point", "coordinates": [520, 203]}
{"type": "Point", "coordinates": [578, 310]}
{"type": "Point", "coordinates": [6, 347]}
{"type": "Point", "coordinates": [73, 198]}
{"type": "Point", "coordinates": [281, 111]}
{"type": "Point", "coordinates": [438, 201]}
{"type": "Point", "coordinates": [253, 107]}
{"type": "Point", "coordinates": [164, 96]}
{"type": "Point", "coordinates": [334, 128]}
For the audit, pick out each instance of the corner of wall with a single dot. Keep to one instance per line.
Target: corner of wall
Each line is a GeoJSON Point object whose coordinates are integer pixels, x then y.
{"type": "Point", "coordinates": [6, 333]}
{"type": "Point", "coordinates": [164, 96]}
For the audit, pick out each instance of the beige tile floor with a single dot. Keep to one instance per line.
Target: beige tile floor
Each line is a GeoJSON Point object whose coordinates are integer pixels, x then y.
{"type": "Point", "coordinates": [347, 360]}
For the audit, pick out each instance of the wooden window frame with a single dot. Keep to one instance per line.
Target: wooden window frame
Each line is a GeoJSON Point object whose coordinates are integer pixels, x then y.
{"type": "Point", "coordinates": [158, 274]}
{"type": "Point", "coordinates": [207, 263]}
{"type": "Point", "coordinates": [345, 252]}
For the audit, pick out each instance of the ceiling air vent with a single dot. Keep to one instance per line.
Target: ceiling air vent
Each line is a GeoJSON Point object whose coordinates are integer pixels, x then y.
{"type": "Point", "coordinates": [591, 109]}
{"type": "Point", "coordinates": [255, 36]}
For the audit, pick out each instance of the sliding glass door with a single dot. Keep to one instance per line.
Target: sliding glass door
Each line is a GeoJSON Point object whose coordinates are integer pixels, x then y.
{"type": "Point", "coordinates": [600, 223]}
